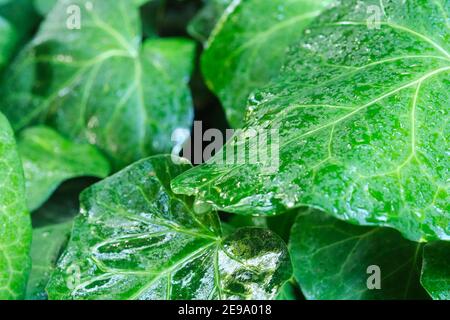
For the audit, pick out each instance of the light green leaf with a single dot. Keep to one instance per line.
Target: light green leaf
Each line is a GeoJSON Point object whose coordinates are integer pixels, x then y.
{"type": "Point", "coordinates": [246, 49]}
{"type": "Point", "coordinates": [49, 159]}
{"type": "Point", "coordinates": [100, 84]}
{"type": "Point", "coordinates": [362, 119]}
{"type": "Point", "coordinates": [15, 223]}
{"type": "Point", "coordinates": [436, 270]}
{"type": "Point", "coordinates": [48, 243]}
{"type": "Point", "coordinates": [333, 259]}
{"type": "Point", "coordinates": [136, 240]}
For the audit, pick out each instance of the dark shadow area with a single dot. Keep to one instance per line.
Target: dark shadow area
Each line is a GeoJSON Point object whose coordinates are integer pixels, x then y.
{"type": "Point", "coordinates": [63, 205]}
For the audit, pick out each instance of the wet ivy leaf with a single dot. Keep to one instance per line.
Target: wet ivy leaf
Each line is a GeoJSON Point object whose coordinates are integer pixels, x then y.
{"type": "Point", "coordinates": [49, 159]}
{"type": "Point", "coordinates": [48, 243]}
{"type": "Point", "coordinates": [436, 270]}
{"type": "Point", "coordinates": [339, 261]}
{"type": "Point", "coordinates": [89, 75]}
{"type": "Point", "coordinates": [136, 240]}
{"type": "Point", "coordinates": [15, 223]}
{"type": "Point", "coordinates": [360, 113]}
{"type": "Point", "coordinates": [248, 44]}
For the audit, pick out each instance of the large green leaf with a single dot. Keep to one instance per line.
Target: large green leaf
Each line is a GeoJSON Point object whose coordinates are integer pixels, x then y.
{"type": "Point", "coordinates": [436, 270]}
{"type": "Point", "coordinates": [362, 116]}
{"type": "Point", "coordinates": [331, 260]}
{"type": "Point", "coordinates": [15, 223]}
{"type": "Point", "coordinates": [49, 159]}
{"type": "Point", "coordinates": [136, 240]}
{"type": "Point", "coordinates": [48, 243]}
{"type": "Point", "coordinates": [248, 44]}
{"type": "Point", "coordinates": [100, 84]}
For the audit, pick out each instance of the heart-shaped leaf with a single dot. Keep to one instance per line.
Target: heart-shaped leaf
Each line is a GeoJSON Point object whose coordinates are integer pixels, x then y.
{"type": "Point", "coordinates": [136, 240]}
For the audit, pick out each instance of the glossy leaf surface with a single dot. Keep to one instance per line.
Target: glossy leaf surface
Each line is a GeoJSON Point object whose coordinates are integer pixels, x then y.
{"type": "Point", "coordinates": [361, 114]}
{"type": "Point", "coordinates": [246, 48]}
{"type": "Point", "coordinates": [136, 240]}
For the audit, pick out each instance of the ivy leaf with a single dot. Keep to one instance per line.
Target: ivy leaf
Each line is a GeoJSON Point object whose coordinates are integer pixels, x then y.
{"type": "Point", "coordinates": [436, 270]}
{"type": "Point", "coordinates": [49, 159]}
{"type": "Point", "coordinates": [247, 47]}
{"type": "Point", "coordinates": [101, 84]}
{"type": "Point", "coordinates": [136, 240]}
{"type": "Point", "coordinates": [48, 243]}
{"type": "Point", "coordinates": [15, 231]}
{"type": "Point", "coordinates": [361, 115]}
{"type": "Point", "coordinates": [332, 258]}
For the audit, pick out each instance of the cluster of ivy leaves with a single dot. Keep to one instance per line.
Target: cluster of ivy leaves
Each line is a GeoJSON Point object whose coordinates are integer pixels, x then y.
{"type": "Point", "coordinates": [93, 206]}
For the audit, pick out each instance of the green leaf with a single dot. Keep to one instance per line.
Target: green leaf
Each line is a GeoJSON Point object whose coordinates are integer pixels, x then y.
{"type": "Point", "coordinates": [100, 84]}
{"type": "Point", "coordinates": [15, 231]}
{"type": "Point", "coordinates": [49, 159]}
{"type": "Point", "coordinates": [436, 270]}
{"type": "Point", "coordinates": [332, 260]}
{"type": "Point", "coordinates": [47, 245]}
{"type": "Point", "coordinates": [361, 116]}
{"type": "Point", "coordinates": [136, 240]}
{"type": "Point", "coordinates": [246, 49]}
